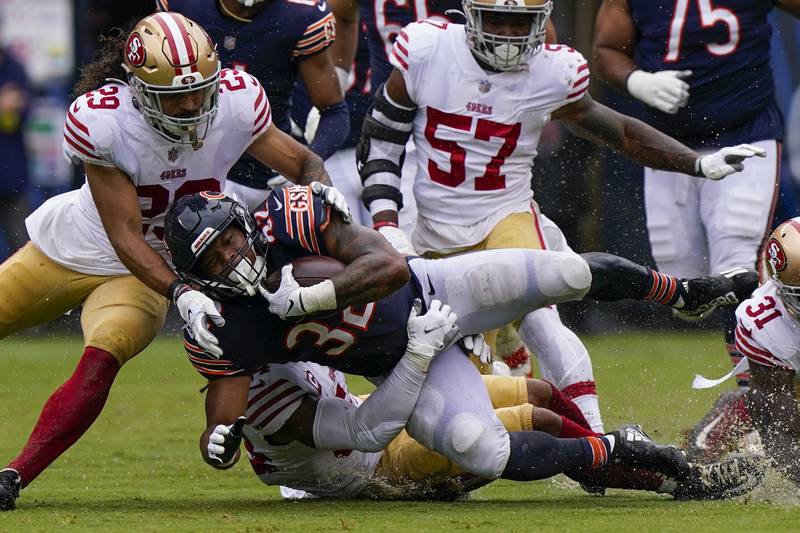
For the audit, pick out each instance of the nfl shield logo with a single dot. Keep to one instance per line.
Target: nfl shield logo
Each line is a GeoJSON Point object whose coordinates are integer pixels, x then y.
{"type": "Point", "coordinates": [172, 155]}
{"type": "Point", "coordinates": [229, 42]}
{"type": "Point", "coordinates": [485, 86]}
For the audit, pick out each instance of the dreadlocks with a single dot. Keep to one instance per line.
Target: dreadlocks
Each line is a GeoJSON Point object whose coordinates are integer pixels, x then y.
{"type": "Point", "coordinates": [107, 62]}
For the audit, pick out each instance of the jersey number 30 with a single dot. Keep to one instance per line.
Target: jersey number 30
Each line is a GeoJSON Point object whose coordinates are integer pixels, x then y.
{"type": "Point", "coordinates": [485, 129]}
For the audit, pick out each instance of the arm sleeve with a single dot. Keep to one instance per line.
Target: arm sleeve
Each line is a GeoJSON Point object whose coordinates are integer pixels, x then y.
{"type": "Point", "coordinates": [371, 426]}
{"type": "Point", "coordinates": [88, 136]}
{"type": "Point", "coordinates": [207, 365]}
{"type": "Point", "coordinates": [295, 217]}
{"type": "Point", "coordinates": [332, 131]}
{"type": "Point", "coordinates": [319, 34]}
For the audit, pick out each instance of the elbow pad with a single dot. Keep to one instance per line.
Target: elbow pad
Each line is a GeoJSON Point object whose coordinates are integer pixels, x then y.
{"type": "Point", "coordinates": [381, 149]}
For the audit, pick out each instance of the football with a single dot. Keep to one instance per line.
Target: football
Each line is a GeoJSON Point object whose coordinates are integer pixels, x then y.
{"type": "Point", "coordinates": [308, 271]}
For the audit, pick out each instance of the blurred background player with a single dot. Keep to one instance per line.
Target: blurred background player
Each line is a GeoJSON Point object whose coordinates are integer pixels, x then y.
{"type": "Point", "coordinates": [159, 119]}
{"type": "Point", "coordinates": [275, 41]}
{"type": "Point", "coordinates": [703, 71]}
{"type": "Point", "coordinates": [15, 97]}
{"type": "Point", "coordinates": [479, 138]}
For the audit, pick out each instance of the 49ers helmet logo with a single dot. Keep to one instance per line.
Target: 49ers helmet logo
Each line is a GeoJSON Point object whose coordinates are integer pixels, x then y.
{"type": "Point", "coordinates": [134, 50]}
{"type": "Point", "coordinates": [776, 255]}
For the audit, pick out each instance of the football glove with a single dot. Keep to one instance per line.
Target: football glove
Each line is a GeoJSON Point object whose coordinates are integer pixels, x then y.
{"type": "Point", "coordinates": [430, 333]}
{"type": "Point", "coordinates": [334, 198]}
{"type": "Point", "coordinates": [195, 308]}
{"type": "Point", "coordinates": [293, 301]}
{"type": "Point", "coordinates": [665, 90]}
{"type": "Point", "coordinates": [398, 239]}
{"type": "Point", "coordinates": [224, 441]}
{"type": "Point", "coordinates": [476, 344]}
{"type": "Point", "coordinates": [726, 161]}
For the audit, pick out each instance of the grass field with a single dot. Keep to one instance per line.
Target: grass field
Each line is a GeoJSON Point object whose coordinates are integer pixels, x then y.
{"type": "Point", "coordinates": [138, 467]}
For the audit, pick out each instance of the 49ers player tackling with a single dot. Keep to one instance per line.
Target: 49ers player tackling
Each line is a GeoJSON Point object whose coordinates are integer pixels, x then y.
{"type": "Point", "coordinates": [160, 120]}
{"type": "Point", "coordinates": [476, 97]}
{"type": "Point", "coordinates": [768, 334]}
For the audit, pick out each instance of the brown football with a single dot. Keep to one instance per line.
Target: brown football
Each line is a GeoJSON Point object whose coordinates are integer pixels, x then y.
{"type": "Point", "coordinates": [308, 271]}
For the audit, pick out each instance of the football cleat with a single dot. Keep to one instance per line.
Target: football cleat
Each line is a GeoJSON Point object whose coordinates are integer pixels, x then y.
{"type": "Point", "coordinates": [701, 296]}
{"type": "Point", "coordinates": [721, 430]}
{"type": "Point", "coordinates": [9, 489]}
{"type": "Point", "coordinates": [635, 449]}
{"type": "Point", "coordinates": [737, 475]}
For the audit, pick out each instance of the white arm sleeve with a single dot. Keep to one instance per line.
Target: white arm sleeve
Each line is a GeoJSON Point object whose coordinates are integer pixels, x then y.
{"type": "Point", "coordinates": [370, 427]}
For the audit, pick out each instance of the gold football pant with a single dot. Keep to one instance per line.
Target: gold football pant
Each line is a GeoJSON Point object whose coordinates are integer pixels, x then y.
{"type": "Point", "coordinates": [121, 315]}
{"type": "Point", "coordinates": [408, 466]}
{"type": "Point", "coordinates": [517, 230]}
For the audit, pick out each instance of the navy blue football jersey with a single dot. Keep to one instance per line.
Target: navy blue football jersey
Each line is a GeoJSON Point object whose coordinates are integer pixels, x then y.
{"type": "Point", "coordinates": [384, 20]}
{"type": "Point", "coordinates": [726, 45]}
{"type": "Point", "coordinates": [361, 339]}
{"type": "Point", "coordinates": [357, 97]}
{"type": "Point", "coordinates": [269, 47]}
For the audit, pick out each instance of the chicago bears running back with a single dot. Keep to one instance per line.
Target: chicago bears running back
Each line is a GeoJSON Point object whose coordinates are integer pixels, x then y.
{"type": "Point", "coordinates": [274, 42]}
{"type": "Point", "coordinates": [354, 321]}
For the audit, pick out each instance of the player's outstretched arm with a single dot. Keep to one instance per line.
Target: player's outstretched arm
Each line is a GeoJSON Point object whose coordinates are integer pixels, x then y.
{"type": "Point", "coordinates": [118, 205]}
{"type": "Point", "coordinates": [772, 403]}
{"type": "Point", "coordinates": [336, 424]}
{"type": "Point", "coordinates": [288, 157]}
{"type": "Point", "coordinates": [646, 145]}
{"type": "Point", "coordinates": [226, 402]}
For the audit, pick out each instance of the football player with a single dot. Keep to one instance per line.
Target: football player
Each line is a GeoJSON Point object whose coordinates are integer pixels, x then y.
{"type": "Point", "coordinates": [475, 98]}
{"type": "Point", "coordinates": [159, 120]}
{"type": "Point", "coordinates": [275, 42]}
{"type": "Point", "coordinates": [703, 71]}
{"type": "Point", "coordinates": [355, 321]}
{"type": "Point", "coordinates": [289, 443]}
{"type": "Point", "coordinates": [768, 334]}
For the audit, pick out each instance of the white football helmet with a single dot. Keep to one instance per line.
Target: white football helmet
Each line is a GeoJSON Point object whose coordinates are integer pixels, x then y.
{"type": "Point", "coordinates": [782, 255]}
{"type": "Point", "coordinates": [168, 54]}
{"type": "Point", "coordinates": [498, 51]}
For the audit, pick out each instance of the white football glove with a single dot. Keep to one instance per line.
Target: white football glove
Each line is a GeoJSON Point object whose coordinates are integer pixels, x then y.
{"type": "Point", "coordinates": [224, 442]}
{"type": "Point", "coordinates": [398, 239]}
{"type": "Point", "coordinates": [195, 308]}
{"type": "Point", "coordinates": [293, 301]}
{"type": "Point", "coordinates": [430, 333]}
{"type": "Point", "coordinates": [334, 198]}
{"type": "Point", "coordinates": [726, 161]}
{"type": "Point", "coordinates": [476, 344]}
{"type": "Point", "coordinates": [665, 90]}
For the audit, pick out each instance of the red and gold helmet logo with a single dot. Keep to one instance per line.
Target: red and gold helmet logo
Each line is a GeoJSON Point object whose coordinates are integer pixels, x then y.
{"type": "Point", "coordinates": [776, 255]}
{"type": "Point", "coordinates": [134, 50]}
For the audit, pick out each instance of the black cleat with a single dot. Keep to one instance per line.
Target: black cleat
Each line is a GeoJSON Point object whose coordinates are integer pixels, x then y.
{"type": "Point", "coordinates": [701, 296]}
{"type": "Point", "coordinates": [635, 449]}
{"type": "Point", "coordinates": [732, 477]}
{"type": "Point", "coordinates": [9, 489]}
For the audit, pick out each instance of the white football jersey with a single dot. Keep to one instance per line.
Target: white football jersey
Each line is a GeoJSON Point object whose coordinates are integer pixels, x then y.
{"type": "Point", "coordinates": [765, 331]}
{"type": "Point", "coordinates": [477, 132]}
{"type": "Point", "coordinates": [104, 128]}
{"type": "Point", "coordinates": [275, 393]}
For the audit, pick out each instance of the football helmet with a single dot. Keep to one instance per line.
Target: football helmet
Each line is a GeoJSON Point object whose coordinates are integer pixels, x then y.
{"type": "Point", "coordinates": [782, 255]}
{"type": "Point", "coordinates": [502, 52]}
{"type": "Point", "coordinates": [191, 226]}
{"type": "Point", "coordinates": [168, 54]}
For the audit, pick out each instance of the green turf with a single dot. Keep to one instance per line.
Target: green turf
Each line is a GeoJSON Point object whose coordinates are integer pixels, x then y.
{"type": "Point", "coordinates": [138, 468]}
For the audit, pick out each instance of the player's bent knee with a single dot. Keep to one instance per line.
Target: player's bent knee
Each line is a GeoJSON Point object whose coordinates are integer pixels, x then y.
{"type": "Point", "coordinates": [477, 448]}
{"type": "Point", "coordinates": [566, 276]}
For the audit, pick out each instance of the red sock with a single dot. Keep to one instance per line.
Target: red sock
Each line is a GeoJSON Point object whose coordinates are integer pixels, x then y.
{"type": "Point", "coordinates": [561, 404]}
{"type": "Point", "coordinates": [663, 288]}
{"type": "Point", "coordinates": [571, 430]}
{"type": "Point", "coordinates": [68, 413]}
